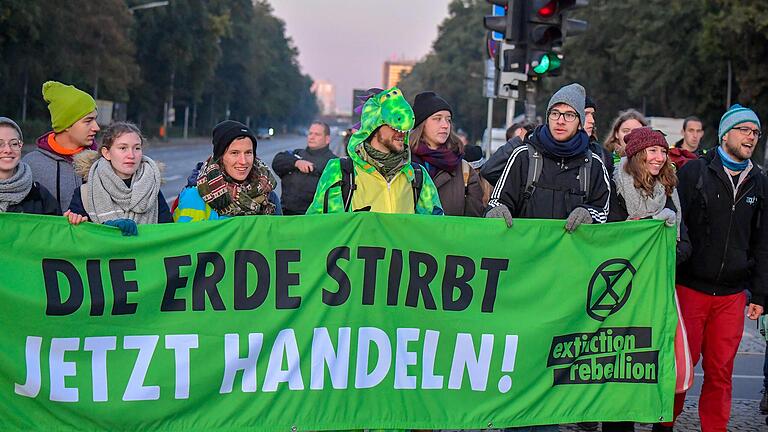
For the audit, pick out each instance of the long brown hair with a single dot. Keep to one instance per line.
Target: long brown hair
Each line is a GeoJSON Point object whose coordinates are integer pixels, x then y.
{"type": "Point", "coordinates": [453, 142]}
{"type": "Point", "coordinates": [643, 179]}
{"type": "Point", "coordinates": [611, 140]}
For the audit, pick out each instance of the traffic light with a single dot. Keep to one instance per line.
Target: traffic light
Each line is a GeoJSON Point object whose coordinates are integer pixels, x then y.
{"type": "Point", "coordinates": [508, 19]}
{"type": "Point", "coordinates": [546, 31]}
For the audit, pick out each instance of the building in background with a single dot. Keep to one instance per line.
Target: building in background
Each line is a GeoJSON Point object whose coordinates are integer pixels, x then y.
{"type": "Point", "coordinates": [325, 92]}
{"type": "Point", "coordinates": [394, 71]}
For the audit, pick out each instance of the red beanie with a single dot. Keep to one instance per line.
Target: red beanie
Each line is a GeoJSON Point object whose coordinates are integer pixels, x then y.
{"type": "Point", "coordinates": [641, 138]}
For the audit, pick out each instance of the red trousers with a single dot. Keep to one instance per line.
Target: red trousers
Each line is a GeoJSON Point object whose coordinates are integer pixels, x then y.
{"type": "Point", "coordinates": [714, 325]}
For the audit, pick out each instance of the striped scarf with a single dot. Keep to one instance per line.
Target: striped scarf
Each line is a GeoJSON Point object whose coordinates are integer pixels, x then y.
{"type": "Point", "coordinates": [230, 198]}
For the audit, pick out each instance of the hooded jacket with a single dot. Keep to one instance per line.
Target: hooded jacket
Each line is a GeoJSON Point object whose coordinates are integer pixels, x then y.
{"type": "Point", "coordinates": [54, 171]}
{"type": "Point", "coordinates": [728, 229]}
{"type": "Point", "coordinates": [371, 190]}
{"type": "Point", "coordinates": [298, 187]}
{"type": "Point", "coordinates": [558, 189]}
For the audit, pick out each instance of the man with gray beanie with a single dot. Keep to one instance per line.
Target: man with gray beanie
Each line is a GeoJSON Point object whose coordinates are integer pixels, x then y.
{"type": "Point", "coordinates": [721, 195]}
{"type": "Point", "coordinates": [554, 175]}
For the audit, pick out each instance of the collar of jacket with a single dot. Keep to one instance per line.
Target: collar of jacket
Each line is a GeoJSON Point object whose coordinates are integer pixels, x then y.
{"type": "Point", "coordinates": [579, 160]}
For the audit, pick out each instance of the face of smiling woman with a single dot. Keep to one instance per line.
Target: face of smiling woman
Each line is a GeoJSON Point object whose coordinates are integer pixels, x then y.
{"type": "Point", "coordinates": [237, 160]}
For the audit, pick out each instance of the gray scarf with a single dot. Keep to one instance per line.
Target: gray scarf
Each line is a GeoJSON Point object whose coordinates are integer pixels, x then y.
{"type": "Point", "coordinates": [639, 205]}
{"type": "Point", "coordinates": [109, 197]}
{"type": "Point", "coordinates": [16, 188]}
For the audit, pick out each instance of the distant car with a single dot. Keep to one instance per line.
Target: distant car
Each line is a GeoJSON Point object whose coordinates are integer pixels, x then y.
{"type": "Point", "coordinates": [265, 133]}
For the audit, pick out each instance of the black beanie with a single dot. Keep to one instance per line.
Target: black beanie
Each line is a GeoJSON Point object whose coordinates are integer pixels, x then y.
{"type": "Point", "coordinates": [226, 132]}
{"type": "Point", "coordinates": [426, 104]}
{"type": "Point", "coordinates": [589, 103]}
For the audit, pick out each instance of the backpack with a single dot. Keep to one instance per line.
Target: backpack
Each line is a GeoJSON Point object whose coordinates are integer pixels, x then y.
{"type": "Point", "coordinates": [535, 166]}
{"type": "Point", "coordinates": [348, 186]}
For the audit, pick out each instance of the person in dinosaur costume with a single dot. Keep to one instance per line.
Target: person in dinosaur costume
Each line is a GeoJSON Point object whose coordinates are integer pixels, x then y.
{"type": "Point", "coordinates": [378, 175]}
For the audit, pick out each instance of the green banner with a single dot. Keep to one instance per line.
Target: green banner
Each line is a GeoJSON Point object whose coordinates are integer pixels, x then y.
{"type": "Point", "coordinates": [334, 322]}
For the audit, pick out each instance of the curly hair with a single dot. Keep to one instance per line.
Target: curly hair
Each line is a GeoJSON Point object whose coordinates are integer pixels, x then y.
{"type": "Point", "coordinates": [611, 141]}
{"type": "Point", "coordinates": [644, 180]}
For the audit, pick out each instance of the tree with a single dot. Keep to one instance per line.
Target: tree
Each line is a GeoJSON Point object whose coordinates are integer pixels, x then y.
{"type": "Point", "coordinates": [455, 66]}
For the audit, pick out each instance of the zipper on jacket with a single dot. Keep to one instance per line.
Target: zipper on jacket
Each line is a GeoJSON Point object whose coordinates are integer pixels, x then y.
{"type": "Point", "coordinates": [728, 233]}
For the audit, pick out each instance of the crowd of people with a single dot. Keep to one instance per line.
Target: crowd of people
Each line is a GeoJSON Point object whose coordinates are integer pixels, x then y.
{"type": "Point", "coordinates": [405, 158]}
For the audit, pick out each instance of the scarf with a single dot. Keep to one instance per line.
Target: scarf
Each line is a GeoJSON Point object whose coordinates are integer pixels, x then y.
{"type": "Point", "coordinates": [729, 163]}
{"type": "Point", "coordinates": [440, 159]}
{"type": "Point", "coordinates": [111, 198]}
{"type": "Point", "coordinates": [231, 198]}
{"type": "Point", "coordinates": [575, 146]}
{"type": "Point", "coordinates": [387, 164]}
{"type": "Point", "coordinates": [639, 204]}
{"type": "Point", "coordinates": [16, 188]}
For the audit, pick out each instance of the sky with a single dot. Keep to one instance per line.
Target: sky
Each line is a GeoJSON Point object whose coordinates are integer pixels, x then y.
{"type": "Point", "coordinates": [347, 42]}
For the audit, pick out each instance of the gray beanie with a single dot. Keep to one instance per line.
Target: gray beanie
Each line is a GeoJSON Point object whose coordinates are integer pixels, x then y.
{"type": "Point", "coordinates": [572, 95]}
{"type": "Point", "coordinates": [11, 123]}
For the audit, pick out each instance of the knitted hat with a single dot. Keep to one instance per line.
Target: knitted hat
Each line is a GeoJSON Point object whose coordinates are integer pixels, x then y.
{"type": "Point", "coordinates": [67, 104]}
{"type": "Point", "coordinates": [589, 103]}
{"type": "Point", "coordinates": [226, 132]}
{"type": "Point", "coordinates": [641, 138]}
{"type": "Point", "coordinates": [572, 95]}
{"type": "Point", "coordinates": [426, 104]}
{"type": "Point", "coordinates": [11, 123]}
{"type": "Point", "coordinates": [735, 115]}
{"type": "Point", "coordinates": [474, 155]}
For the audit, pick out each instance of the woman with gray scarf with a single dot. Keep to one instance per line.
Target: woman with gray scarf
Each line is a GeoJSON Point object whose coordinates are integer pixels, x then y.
{"type": "Point", "coordinates": [18, 193]}
{"type": "Point", "coordinates": [122, 187]}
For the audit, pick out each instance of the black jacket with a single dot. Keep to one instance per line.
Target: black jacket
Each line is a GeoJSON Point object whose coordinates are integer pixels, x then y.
{"type": "Point", "coordinates": [37, 201]}
{"type": "Point", "coordinates": [494, 166]}
{"type": "Point", "coordinates": [557, 192]}
{"type": "Point", "coordinates": [729, 235]}
{"type": "Point", "coordinates": [299, 188]}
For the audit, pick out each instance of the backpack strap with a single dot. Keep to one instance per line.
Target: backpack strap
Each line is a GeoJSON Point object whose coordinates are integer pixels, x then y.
{"type": "Point", "coordinates": [417, 183]}
{"type": "Point", "coordinates": [347, 184]}
{"type": "Point", "coordinates": [585, 174]}
{"type": "Point", "coordinates": [535, 165]}
{"type": "Point", "coordinates": [465, 171]}
{"type": "Point", "coordinates": [704, 200]}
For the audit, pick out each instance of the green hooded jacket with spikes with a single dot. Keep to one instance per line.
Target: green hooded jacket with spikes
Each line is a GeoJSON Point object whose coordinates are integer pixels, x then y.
{"type": "Point", "coordinates": [388, 107]}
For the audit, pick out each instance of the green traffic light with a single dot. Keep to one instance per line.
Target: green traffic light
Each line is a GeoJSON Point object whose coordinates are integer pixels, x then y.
{"type": "Point", "coordinates": [547, 63]}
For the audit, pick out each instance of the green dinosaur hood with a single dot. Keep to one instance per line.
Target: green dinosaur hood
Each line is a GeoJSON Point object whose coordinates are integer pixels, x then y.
{"type": "Point", "coordinates": [386, 108]}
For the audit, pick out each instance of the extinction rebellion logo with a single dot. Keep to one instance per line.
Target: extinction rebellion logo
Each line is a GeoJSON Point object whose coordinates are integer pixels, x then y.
{"type": "Point", "coordinates": [609, 354]}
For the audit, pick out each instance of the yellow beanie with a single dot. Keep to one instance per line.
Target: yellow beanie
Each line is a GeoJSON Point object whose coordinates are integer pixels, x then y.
{"type": "Point", "coordinates": [67, 104]}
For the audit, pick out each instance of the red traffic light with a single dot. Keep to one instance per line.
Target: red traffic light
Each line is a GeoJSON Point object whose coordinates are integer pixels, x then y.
{"type": "Point", "coordinates": [548, 10]}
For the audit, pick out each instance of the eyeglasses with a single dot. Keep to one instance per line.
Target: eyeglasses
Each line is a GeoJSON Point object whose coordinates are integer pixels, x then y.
{"type": "Point", "coordinates": [746, 131]}
{"type": "Point", "coordinates": [14, 144]}
{"type": "Point", "coordinates": [569, 116]}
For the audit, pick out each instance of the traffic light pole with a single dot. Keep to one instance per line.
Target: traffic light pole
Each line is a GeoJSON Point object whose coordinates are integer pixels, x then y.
{"type": "Point", "coordinates": [530, 100]}
{"type": "Point", "coordinates": [489, 128]}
